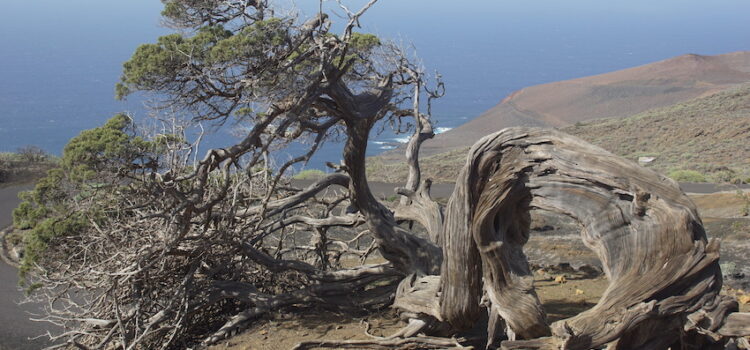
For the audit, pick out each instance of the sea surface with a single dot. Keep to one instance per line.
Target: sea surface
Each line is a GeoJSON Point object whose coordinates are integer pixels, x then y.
{"type": "Point", "coordinates": [59, 61]}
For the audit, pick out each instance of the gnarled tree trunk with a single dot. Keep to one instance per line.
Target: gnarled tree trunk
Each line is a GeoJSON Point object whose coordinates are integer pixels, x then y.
{"type": "Point", "coordinates": [647, 233]}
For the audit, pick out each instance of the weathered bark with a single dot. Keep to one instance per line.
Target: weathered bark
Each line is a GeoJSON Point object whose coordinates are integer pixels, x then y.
{"type": "Point", "coordinates": [407, 252]}
{"type": "Point", "coordinates": [736, 325]}
{"type": "Point", "coordinates": [460, 274]}
{"type": "Point", "coordinates": [416, 203]}
{"type": "Point", "coordinates": [643, 228]}
{"type": "Point", "coordinates": [421, 208]}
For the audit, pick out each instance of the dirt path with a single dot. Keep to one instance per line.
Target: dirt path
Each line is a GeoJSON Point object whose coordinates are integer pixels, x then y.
{"type": "Point", "coordinates": [282, 332]}
{"type": "Point", "coordinates": [15, 326]}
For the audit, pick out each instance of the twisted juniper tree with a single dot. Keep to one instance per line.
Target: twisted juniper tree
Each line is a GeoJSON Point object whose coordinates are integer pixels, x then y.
{"type": "Point", "coordinates": [138, 244]}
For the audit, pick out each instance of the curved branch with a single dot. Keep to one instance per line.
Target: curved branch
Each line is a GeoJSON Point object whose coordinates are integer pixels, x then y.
{"type": "Point", "coordinates": [278, 206]}
{"type": "Point", "coordinates": [422, 209]}
{"type": "Point", "coordinates": [278, 265]}
{"type": "Point", "coordinates": [643, 228]}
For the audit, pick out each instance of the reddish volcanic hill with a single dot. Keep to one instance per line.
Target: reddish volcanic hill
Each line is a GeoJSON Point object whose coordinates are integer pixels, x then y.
{"type": "Point", "coordinates": [617, 94]}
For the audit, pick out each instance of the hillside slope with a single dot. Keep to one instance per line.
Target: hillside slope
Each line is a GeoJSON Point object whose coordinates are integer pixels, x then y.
{"type": "Point", "coordinates": [710, 135]}
{"type": "Point", "coordinates": [612, 95]}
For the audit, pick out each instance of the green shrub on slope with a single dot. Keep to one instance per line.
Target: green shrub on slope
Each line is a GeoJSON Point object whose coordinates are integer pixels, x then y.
{"type": "Point", "coordinates": [687, 176]}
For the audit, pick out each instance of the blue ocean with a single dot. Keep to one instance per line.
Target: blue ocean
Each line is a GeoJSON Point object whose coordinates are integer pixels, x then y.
{"type": "Point", "coordinates": [59, 61]}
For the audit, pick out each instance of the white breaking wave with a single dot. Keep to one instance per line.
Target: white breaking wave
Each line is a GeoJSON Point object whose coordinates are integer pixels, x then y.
{"type": "Point", "coordinates": [405, 139]}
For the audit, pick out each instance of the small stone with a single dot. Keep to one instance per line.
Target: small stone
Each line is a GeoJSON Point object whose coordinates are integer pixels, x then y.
{"type": "Point", "coordinates": [744, 299]}
{"type": "Point", "coordinates": [561, 279]}
{"type": "Point", "coordinates": [728, 268]}
{"type": "Point", "coordinates": [579, 292]}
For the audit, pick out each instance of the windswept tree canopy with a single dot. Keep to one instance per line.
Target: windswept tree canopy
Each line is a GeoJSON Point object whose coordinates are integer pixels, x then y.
{"type": "Point", "coordinates": [237, 58]}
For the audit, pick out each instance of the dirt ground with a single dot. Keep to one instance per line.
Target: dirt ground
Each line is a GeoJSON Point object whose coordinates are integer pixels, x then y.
{"type": "Point", "coordinates": [283, 332]}
{"type": "Point", "coordinates": [722, 205]}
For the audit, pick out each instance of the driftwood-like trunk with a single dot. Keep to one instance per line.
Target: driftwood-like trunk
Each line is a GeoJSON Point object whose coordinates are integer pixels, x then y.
{"type": "Point", "coordinates": [662, 269]}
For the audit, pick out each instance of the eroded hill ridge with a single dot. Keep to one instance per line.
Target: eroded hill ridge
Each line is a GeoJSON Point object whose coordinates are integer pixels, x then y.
{"type": "Point", "coordinates": [617, 94]}
{"type": "Point", "coordinates": [691, 113]}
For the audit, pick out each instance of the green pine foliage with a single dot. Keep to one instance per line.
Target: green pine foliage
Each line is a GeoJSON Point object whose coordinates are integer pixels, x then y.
{"type": "Point", "coordinates": [90, 168]}
{"type": "Point", "coordinates": [184, 68]}
{"type": "Point", "coordinates": [174, 59]}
